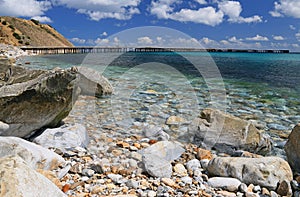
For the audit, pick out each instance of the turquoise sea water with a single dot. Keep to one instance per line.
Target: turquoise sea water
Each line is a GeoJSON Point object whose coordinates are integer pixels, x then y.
{"type": "Point", "coordinates": [263, 87]}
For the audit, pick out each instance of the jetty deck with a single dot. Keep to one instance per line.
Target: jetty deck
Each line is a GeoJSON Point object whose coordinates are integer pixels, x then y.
{"type": "Point", "coordinates": [96, 49]}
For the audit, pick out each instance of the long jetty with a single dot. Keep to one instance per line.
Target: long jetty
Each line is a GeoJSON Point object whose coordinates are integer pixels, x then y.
{"type": "Point", "coordinates": [97, 49]}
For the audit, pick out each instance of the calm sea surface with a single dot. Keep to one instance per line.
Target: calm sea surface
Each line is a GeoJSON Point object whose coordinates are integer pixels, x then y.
{"type": "Point", "coordinates": [257, 86]}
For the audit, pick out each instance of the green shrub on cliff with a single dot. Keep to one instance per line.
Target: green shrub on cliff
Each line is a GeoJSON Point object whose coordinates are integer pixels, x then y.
{"type": "Point", "coordinates": [17, 36]}
{"type": "Point", "coordinates": [35, 21]}
{"type": "Point", "coordinates": [12, 27]}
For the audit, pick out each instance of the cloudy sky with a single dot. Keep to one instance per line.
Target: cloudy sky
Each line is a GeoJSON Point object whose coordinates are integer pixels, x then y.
{"type": "Point", "coordinates": [272, 24]}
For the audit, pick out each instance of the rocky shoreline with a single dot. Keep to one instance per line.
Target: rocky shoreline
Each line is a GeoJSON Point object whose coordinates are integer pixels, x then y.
{"type": "Point", "coordinates": [88, 154]}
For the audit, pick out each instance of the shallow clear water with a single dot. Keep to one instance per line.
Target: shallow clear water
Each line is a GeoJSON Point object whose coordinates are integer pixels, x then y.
{"type": "Point", "coordinates": [257, 86]}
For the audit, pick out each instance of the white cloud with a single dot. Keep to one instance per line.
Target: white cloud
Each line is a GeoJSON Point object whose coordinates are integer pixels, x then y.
{"type": "Point", "coordinates": [297, 35]}
{"type": "Point", "coordinates": [164, 9]}
{"type": "Point", "coordinates": [104, 34]}
{"type": "Point", "coordinates": [160, 41]}
{"type": "Point", "coordinates": [295, 45]}
{"type": "Point", "coordinates": [286, 8]}
{"type": "Point", "coordinates": [42, 19]}
{"type": "Point", "coordinates": [233, 10]}
{"type": "Point", "coordinates": [278, 38]}
{"type": "Point", "coordinates": [207, 16]}
{"type": "Point", "coordinates": [23, 8]}
{"type": "Point", "coordinates": [258, 38]}
{"type": "Point", "coordinates": [292, 27]}
{"type": "Point", "coordinates": [101, 9]}
{"type": "Point", "coordinates": [185, 42]}
{"type": "Point", "coordinates": [100, 41]}
{"type": "Point", "coordinates": [234, 39]}
{"type": "Point", "coordinates": [209, 43]}
{"type": "Point", "coordinates": [224, 42]}
{"type": "Point", "coordinates": [78, 40]}
{"type": "Point", "coordinates": [145, 40]}
{"type": "Point", "coordinates": [202, 2]}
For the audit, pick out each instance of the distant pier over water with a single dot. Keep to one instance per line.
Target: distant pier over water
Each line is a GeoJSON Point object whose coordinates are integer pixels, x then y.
{"type": "Point", "coordinates": [97, 49]}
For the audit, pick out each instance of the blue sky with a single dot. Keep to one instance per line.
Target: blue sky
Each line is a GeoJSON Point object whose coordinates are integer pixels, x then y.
{"type": "Point", "coordinates": [258, 24]}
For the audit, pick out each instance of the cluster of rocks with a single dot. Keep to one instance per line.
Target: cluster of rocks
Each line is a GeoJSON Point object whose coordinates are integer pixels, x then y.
{"type": "Point", "coordinates": [135, 166]}
{"type": "Point", "coordinates": [89, 156]}
{"type": "Point", "coordinates": [33, 99]}
{"type": "Point", "coordinates": [10, 51]}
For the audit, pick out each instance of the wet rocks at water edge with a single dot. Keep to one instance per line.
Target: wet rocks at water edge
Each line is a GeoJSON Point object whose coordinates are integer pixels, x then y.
{"type": "Point", "coordinates": [32, 99]}
{"type": "Point", "coordinates": [93, 83]}
{"type": "Point", "coordinates": [217, 129]}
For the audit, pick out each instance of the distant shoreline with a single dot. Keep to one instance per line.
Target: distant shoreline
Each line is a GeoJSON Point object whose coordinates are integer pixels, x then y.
{"type": "Point", "coordinates": [97, 49]}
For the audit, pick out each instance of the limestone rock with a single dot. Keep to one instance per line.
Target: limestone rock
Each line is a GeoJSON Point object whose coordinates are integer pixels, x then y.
{"type": "Point", "coordinates": [32, 99]}
{"type": "Point", "coordinates": [229, 184]}
{"type": "Point", "coordinates": [36, 156]}
{"type": "Point", "coordinates": [266, 171]}
{"type": "Point", "coordinates": [93, 83]}
{"type": "Point", "coordinates": [3, 127]}
{"type": "Point", "coordinates": [19, 180]}
{"type": "Point", "coordinates": [215, 128]}
{"type": "Point", "coordinates": [175, 120]}
{"type": "Point", "coordinates": [180, 169]}
{"type": "Point", "coordinates": [65, 137]}
{"type": "Point", "coordinates": [157, 158]}
{"type": "Point", "coordinates": [193, 164]}
{"type": "Point", "coordinates": [292, 149]}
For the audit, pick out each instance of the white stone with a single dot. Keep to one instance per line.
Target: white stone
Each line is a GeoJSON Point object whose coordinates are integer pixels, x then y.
{"type": "Point", "coordinates": [157, 157]}
{"type": "Point", "coordinates": [17, 179]}
{"type": "Point", "coordinates": [3, 127]}
{"type": "Point", "coordinates": [193, 164]}
{"type": "Point", "coordinates": [63, 138]}
{"type": "Point", "coordinates": [229, 184]}
{"type": "Point", "coordinates": [36, 156]}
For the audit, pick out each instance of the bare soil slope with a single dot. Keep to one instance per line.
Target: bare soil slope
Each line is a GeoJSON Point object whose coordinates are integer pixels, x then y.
{"type": "Point", "coordinates": [21, 32]}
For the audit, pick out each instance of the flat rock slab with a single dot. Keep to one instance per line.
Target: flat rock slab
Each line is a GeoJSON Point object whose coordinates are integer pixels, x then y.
{"type": "Point", "coordinates": [34, 155]}
{"type": "Point", "coordinates": [266, 171]}
{"type": "Point", "coordinates": [63, 138]}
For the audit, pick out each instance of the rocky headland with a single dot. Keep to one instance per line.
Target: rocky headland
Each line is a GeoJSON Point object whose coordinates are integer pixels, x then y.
{"type": "Point", "coordinates": [54, 144]}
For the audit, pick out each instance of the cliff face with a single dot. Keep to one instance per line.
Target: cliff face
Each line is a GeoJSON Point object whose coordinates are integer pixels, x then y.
{"type": "Point", "coordinates": [21, 32]}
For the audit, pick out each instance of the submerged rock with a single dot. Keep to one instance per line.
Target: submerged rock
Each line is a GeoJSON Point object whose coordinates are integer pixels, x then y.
{"type": "Point", "coordinates": [34, 155]}
{"type": "Point", "coordinates": [217, 129]}
{"type": "Point", "coordinates": [292, 148]}
{"type": "Point", "coordinates": [266, 171]}
{"type": "Point", "coordinates": [19, 180]}
{"type": "Point", "coordinates": [93, 83]}
{"type": "Point", "coordinates": [65, 137]}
